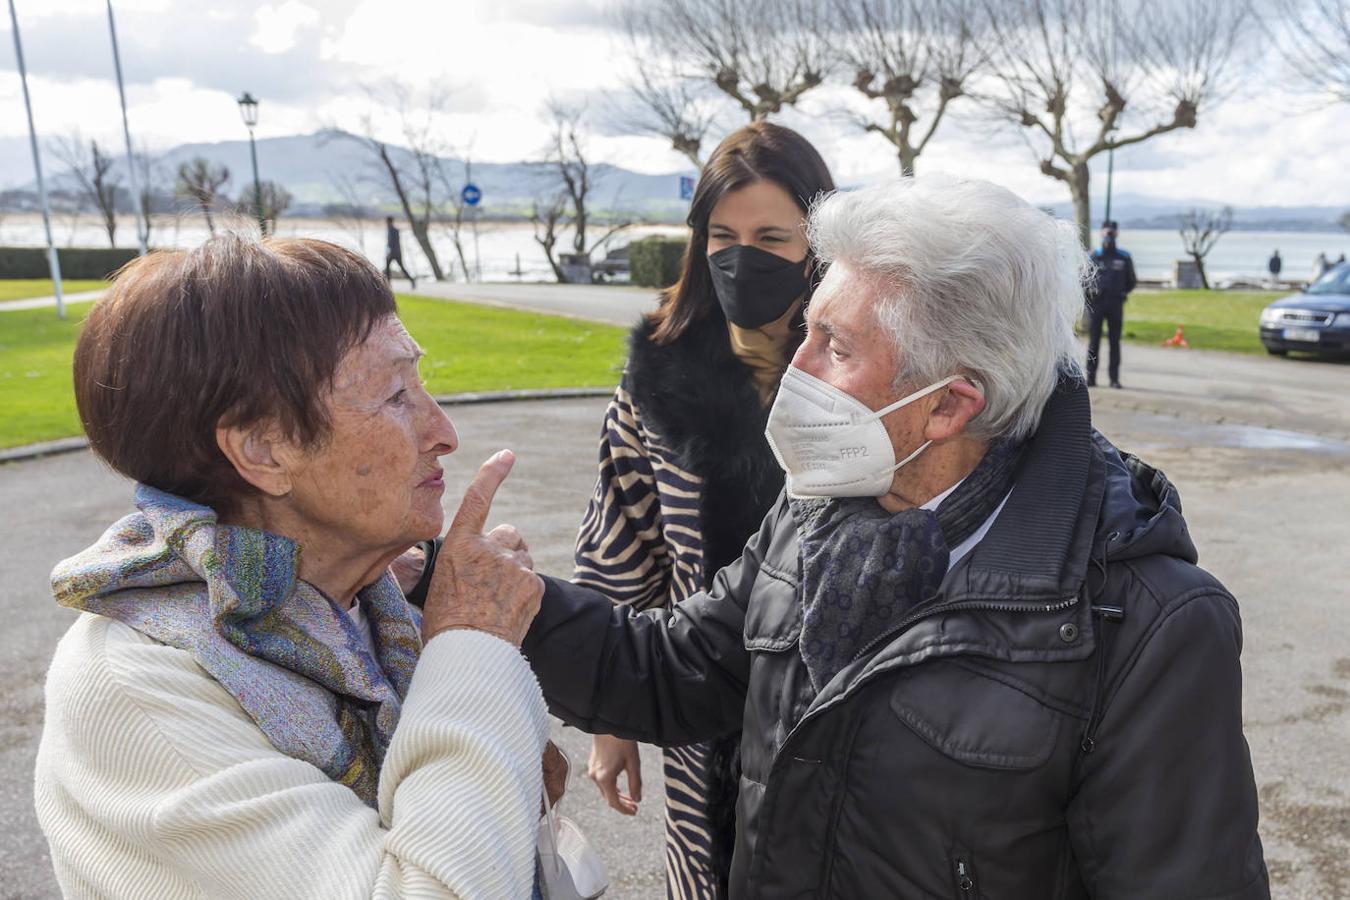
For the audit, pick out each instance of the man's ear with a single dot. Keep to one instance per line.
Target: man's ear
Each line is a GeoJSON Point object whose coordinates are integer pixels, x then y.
{"type": "Point", "coordinates": [959, 403]}
{"type": "Point", "coordinates": [260, 454]}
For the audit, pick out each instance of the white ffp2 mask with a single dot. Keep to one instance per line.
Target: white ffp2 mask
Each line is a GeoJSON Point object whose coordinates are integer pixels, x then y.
{"type": "Point", "coordinates": [829, 443]}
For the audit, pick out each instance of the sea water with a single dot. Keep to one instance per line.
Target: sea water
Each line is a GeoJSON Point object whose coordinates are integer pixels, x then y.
{"type": "Point", "coordinates": [1239, 255]}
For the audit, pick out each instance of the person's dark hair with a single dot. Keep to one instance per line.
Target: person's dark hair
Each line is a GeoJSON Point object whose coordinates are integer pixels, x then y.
{"type": "Point", "coordinates": [235, 332]}
{"type": "Point", "coordinates": [760, 151]}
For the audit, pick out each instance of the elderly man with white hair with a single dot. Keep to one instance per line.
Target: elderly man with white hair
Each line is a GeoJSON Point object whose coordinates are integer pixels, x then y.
{"type": "Point", "coordinates": [970, 649]}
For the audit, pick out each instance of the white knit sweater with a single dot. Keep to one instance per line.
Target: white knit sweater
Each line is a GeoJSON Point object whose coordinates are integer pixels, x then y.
{"type": "Point", "coordinates": [152, 781]}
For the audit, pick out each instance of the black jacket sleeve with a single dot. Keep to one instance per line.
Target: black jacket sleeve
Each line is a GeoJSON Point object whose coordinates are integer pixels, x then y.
{"type": "Point", "coordinates": [1167, 803]}
{"type": "Point", "coordinates": [667, 677]}
{"type": "Point", "coordinates": [1130, 280]}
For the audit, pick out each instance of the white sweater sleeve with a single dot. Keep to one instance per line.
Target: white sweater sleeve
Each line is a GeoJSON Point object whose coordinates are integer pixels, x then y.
{"type": "Point", "coordinates": [151, 781]}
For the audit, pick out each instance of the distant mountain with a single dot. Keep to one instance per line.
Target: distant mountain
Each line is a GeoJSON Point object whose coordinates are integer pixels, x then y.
{"type": "Point", "coordinates": [1141, 212]}
{"type": "Point", "coordinates": [311, 167]}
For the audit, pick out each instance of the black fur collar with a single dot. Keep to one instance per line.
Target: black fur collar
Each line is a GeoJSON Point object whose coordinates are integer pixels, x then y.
{"type": "Point", "coordinates": [702, 403]}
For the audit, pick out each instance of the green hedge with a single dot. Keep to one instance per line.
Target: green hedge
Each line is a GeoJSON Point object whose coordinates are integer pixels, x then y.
{"type": "Point", "coordinates": [76, 262]}
{"type": "Point", "coordinates": [655, 261]}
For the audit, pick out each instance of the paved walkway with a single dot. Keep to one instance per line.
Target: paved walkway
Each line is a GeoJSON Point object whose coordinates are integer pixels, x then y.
{"type": "Point", "coordinates": [612, 304]}
{"type": "Point", "coordinates": [1270, 521]}
{"type": "Point", "coordinates": [40, 302]}
{"type": "Point", "coordinates": [1194, 385]}
{"type": "Point", "coordinates": [1259, 448]}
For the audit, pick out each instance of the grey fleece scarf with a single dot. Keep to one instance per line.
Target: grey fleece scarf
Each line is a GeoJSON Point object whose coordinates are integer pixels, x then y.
{"type": "Point", "coordinates": [864, 569]}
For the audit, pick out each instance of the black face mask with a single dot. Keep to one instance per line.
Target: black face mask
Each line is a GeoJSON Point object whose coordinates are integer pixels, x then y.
{"type": "Point", "coordinates": [754, 286]}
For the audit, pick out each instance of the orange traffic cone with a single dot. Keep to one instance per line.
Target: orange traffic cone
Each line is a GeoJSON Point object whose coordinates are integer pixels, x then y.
{"type": "Point", "coordinates": [1177, 340]}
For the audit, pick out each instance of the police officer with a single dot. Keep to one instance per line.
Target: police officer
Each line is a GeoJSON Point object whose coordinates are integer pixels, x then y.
{"type": "Point", "coordinates": [1112, 282]}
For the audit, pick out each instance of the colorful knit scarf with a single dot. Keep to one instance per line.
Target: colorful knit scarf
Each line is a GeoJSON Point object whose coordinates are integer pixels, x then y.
{"type": "Point", "coordinates": [231, 597]}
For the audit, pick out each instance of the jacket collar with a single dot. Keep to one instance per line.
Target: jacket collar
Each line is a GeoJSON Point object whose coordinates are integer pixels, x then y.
{"type": "Point", "coordinates": [1012, 597]}
{"type": "Point", "coordinates": [1038, 548]}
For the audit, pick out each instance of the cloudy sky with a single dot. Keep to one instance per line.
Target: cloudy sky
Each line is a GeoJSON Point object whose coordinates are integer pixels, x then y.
{"type": "Point", "coordinates": [186, 60]}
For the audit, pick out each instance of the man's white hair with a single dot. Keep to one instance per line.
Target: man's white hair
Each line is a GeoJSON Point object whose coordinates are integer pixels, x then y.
{"type": "Point", "coordinates": [971, 279]}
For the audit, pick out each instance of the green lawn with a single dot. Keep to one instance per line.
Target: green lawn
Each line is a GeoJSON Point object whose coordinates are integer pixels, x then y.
{"type": "Point", "coordinates": [23, 288]}
{"type": "Point", "coordinates": [482, 348]}
{"type": "Point", "coordinates": [469, 348]}
{"type": "Point", "coordinates": [1213, 320]}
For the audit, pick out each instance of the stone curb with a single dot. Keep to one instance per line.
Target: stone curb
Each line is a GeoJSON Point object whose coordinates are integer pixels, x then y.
{"type": "Point", "coordinates": [73, 444]}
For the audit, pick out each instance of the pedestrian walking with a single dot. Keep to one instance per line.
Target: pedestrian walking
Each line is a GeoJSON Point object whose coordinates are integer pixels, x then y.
{"type": "Point", "coordinates": [686, 475]}
{"type": "Point", "coordinates": [1274, 266]}
{"type": "Point", "coordinates": [1113, 279]}
{"type": "Point", "coordinates": [393, 251]}
{"type": "Point", "coordinates": [1320, 266]}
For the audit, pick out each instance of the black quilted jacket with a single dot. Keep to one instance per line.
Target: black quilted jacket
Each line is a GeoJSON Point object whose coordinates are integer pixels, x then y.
{"type": "Point", "coordinates": [1063, 720]}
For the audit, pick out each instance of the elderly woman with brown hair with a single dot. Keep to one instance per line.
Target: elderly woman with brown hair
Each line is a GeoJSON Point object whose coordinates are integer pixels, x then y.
{"type": "Point", "coordinates": [249, 706]}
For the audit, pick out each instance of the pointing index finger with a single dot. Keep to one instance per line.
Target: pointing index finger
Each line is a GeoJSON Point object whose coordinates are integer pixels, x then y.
{"type": "Point", "coordinates": [477, 503]}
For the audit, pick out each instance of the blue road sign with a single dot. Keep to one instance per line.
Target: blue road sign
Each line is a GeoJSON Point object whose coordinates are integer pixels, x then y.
{"type": "Point", "coordinates": [686, 187]}
{"type": "Point", "coordinates": [471, 194]}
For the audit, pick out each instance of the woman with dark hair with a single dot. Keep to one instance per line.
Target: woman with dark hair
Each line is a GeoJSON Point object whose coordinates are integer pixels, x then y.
{"type": "Point", "coordinates": [248, 706]}
{"type": "Point", "coordinates": [685, 472]}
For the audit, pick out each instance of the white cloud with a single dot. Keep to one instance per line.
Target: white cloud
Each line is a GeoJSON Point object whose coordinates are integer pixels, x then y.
{"type": "Point", "coordinates": [278, 26]}
{"type": "Point", "coordinates": [502, 58]}
{"type": "Point", "coordinates": [31, 11]}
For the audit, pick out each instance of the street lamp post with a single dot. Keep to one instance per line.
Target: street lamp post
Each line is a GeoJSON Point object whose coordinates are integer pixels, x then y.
{"type": "Point", "coordinates": [137, 198]}
{"type": "Point", "coordinates": [248, 107]}
{"type": "Point", "coordinates": [53, 261]}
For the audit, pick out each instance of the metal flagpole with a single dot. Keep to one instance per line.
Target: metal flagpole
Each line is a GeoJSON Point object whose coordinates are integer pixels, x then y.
{"type": "Point", "coordinates": [137, 199]}
{"type": "Point", "coordinates": [53, 264]}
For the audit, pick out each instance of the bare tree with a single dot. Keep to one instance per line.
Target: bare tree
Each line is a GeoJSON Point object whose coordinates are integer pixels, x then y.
{"type": "Point", "coordinates": [671, 107]}
{"type": "Point", "coordinates": [454, 219]}
{"type": "Point", "coordinates": [665, 102]}
{"type": "Point", "coordinates": [411, 172]}
{"type": "Point", "coordinates": [566, 156]}
{"type": "Point", "coordinates": [1066, 71]}
{"type": "Point", "coordinates": [91, 170]}
{"type": "Point", "coordinates": [548, 216]}
{"type": "Point", "coordinates": [911, 55]}
{"type": "Point", "coordinates": [1200, 230]}
{"type": "Point", "coordinates": [273, 199]}
{"type": "Point", "coordinates": [351, 212]}
{"type": "Point", "coordinates": [1316, 44]}
{"type": "Point", "coordinates": [763, 54]}
{"type": "Point", "coordinates": [201, 182]}
{"type": "Point", "coordinates": [149, 178]}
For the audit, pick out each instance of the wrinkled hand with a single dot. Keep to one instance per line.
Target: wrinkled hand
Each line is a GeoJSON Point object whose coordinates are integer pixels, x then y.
{"type": "Point", "coordinates": [483, 582]}
{"type": "Point", "coordinates": [611, 756]}
{"type": "Point", "coordinates": [555, 773]}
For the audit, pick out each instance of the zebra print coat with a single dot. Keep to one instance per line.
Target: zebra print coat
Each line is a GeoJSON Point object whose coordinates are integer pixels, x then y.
{"type": "Point", "coordinates": [685, 479]}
